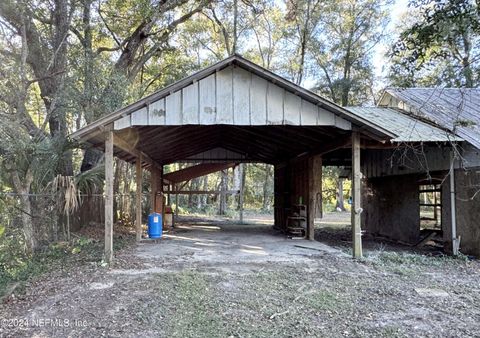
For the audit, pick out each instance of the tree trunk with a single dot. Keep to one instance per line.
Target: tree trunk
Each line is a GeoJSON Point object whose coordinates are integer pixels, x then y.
{"type": "Point", "coordinates": [205, 188]}
{"type": "Point", "coordinates": [27, 223]}
{"type": "Point", "coordinates": [23, 188]}
{"type": "Point", "coordinates": [222, 208]}
{"type": "Point", "coordinates": [340, 198]}
{"type": "Point", "coordinates": [266, 204]}
{"type": "Point", "coordinates": [190, 196]}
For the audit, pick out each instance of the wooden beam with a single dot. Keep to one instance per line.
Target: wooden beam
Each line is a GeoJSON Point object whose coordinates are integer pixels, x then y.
{"type": "Point", "coordinates": [125, 146]}
{"type": "Point", "coordinates": [202, 192]}
{"type": "Point", "coordinates": [109, 197]}
{"type": "Point", "coordinates": [341, 142]}
{"type": "Point", "coordinates": [195, 171]}
{"type": "Point", "coordinates": [314, 207]}
{"type": "Point", "coordinates": [138, 199]}
{"type": "Point", "coordinates": [356, 197]}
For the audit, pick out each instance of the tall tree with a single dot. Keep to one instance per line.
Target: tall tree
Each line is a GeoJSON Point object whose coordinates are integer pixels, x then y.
{"type": "Point", "coordinates": [442, 47]}
{"type": "Point", "coordinates": [343, 53]}
{"type": "Point", "coordinates": [305, 16]}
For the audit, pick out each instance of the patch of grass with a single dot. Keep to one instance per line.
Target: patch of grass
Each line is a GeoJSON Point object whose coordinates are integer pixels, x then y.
{"type": "Point", "coordinates": [192, 303]}
{"type": "Point", "coordinates": [324, 300]}
{"type": "Point", "coordinates": [403, 258]}
{"type": "Point", "coordinates": [392, 331]}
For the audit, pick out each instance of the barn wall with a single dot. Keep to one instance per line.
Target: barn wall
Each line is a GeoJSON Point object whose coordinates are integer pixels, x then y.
{"type": "Point", "coordinates": [391, 207]}
{"type": "Point", "coordinates": [403, 161]}
{"type": "Point", "coordinates": [280, 197]}
{"type": "Point", "coordinates": [470, 156]}
{"type": "Point", "coordinates": [468, 210]}
{"type": "Point", "coordinates": [291, 182]}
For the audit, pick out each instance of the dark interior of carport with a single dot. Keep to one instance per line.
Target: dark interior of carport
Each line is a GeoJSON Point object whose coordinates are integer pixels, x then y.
{"type": "Point", "coordinates": [296, 152]}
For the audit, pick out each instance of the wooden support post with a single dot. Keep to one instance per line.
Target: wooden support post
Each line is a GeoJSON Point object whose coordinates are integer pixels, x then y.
{"type": "Point", "coordinates": [241, 192]}
{"type": "Point", "coordinates": [356, 197]}
{"type": "Point", "coordinates": [314, 193]}
{"type": "Point", "coordinates": [159, 192]}
{"type": "Point", "coordinates": [156, 185]}
{"type": "Point", "coordinates": [138, 199]}
{"type": "Point", "coordinates": [453, 208]}
{"type": "Point", "coordinates": [169, 201]}
{"type": "Point", "coordinates": [153, 188]}
{"type": "Point", "coordinates": [176, 200]}
{"type": "Point", "coordinates": [109, 197]}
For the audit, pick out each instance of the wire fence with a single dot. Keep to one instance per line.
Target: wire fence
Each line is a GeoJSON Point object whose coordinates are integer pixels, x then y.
{"type": "Point", "coordinates": [52, 222]}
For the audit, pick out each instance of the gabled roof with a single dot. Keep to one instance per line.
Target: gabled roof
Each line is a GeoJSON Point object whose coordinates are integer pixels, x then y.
{"type": "Point", "coordinates": [407, 128]}
{"type": "Point", "coordinates": [454, 109]}
{"type": "Point", "coordinates": [364, 125]}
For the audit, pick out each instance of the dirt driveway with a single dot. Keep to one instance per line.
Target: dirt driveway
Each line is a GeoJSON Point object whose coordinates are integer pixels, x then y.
{"type": "Point", "coordinates": [226, 280]}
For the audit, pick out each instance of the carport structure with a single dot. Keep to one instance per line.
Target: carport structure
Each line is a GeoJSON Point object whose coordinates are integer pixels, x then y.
{"type": "Point", "coordinates": [236, 111]}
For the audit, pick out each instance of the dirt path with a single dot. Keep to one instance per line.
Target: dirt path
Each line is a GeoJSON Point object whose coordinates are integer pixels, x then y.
{"type": "Point", "coordinates": [222, 280]}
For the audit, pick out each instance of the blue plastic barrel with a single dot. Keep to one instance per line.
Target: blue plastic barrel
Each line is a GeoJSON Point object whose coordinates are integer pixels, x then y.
{"type": "Point", "coordinates": [154, 225]}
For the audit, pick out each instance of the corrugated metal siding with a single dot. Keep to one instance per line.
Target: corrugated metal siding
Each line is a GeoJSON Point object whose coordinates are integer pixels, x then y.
{"type": "Point", "coordinates": [456, 109]}
{"type": "Point", "coordinates": [406, 127]}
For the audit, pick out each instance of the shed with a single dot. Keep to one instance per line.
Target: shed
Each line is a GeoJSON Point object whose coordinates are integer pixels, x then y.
{"type": "Point", "coordinates": [235, 111]}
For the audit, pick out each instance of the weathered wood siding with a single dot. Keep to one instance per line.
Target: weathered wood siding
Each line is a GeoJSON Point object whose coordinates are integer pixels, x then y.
{"type": "Point", "coordinates": [232, 96]}
{"type": "Point", "coordinates": [391, 207]}
{"type": "Point", "coordinates": [402, 161]}
{"type": "Point", "coordinates": [291, 182]}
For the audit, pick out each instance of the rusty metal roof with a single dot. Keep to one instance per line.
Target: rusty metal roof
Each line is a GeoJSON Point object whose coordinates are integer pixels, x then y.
{"type": "Point", "coordinates": [407, 128]}
{"type": "Point", "coordinates": [455, 109]}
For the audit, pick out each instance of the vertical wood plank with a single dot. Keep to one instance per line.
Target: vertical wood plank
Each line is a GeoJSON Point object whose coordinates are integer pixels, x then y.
{"type": "Point", "coordinates": [140, 117]}
{"type": "Point", "coordinates": [356, 196]}
{"type": "Point", "coordinates": [138, 199]}
{"type": "Point", "coordinates": [258, 101]}
{"type": "Point", "coordinates": [156, 113]}
{"type": "Point", "coordinates": [109, 197]}
{"type": "Point", "coordinates": [342, 123]}
{"type": "Point", "coordinates": [225, 96]}
{"type": "Point", "coordinates": [173, 112]}
{"type": "Point", "coordinates": [309, 114]}
{"type": "Point", "coordinates": [122, 123]}
{"type": "Point", "coordinates": [190, 104]}
{"type": "Point", "coordinates": [241, 96]}
{"type": "Point", "coordinates": [207, 100]}
{"type": "Point", "coordinates": [275, 98]}
{"type": "Point", "coordinates": [293, 104]}
{"type": "Point", "coordinates": [325, 118]}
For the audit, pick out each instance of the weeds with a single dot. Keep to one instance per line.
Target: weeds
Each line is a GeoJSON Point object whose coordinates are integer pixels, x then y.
{"type": "Point", "coordinates": [16, 267]}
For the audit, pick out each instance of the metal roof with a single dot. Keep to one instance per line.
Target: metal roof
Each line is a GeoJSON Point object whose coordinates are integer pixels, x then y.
{"type": "Point", "coordinates": [407, 128]}
{"type": "Point", "coordinates": [365, 126]}
{"type": "Point", "coordinates": [455, 109]}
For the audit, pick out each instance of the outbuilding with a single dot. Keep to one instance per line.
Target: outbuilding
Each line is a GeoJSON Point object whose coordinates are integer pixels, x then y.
{"type": "Point", "coordinates": [236, 111]}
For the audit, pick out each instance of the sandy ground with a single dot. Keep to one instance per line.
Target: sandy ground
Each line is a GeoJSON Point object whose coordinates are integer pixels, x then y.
{"type": "Point", "coordinates": [222, 279]}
